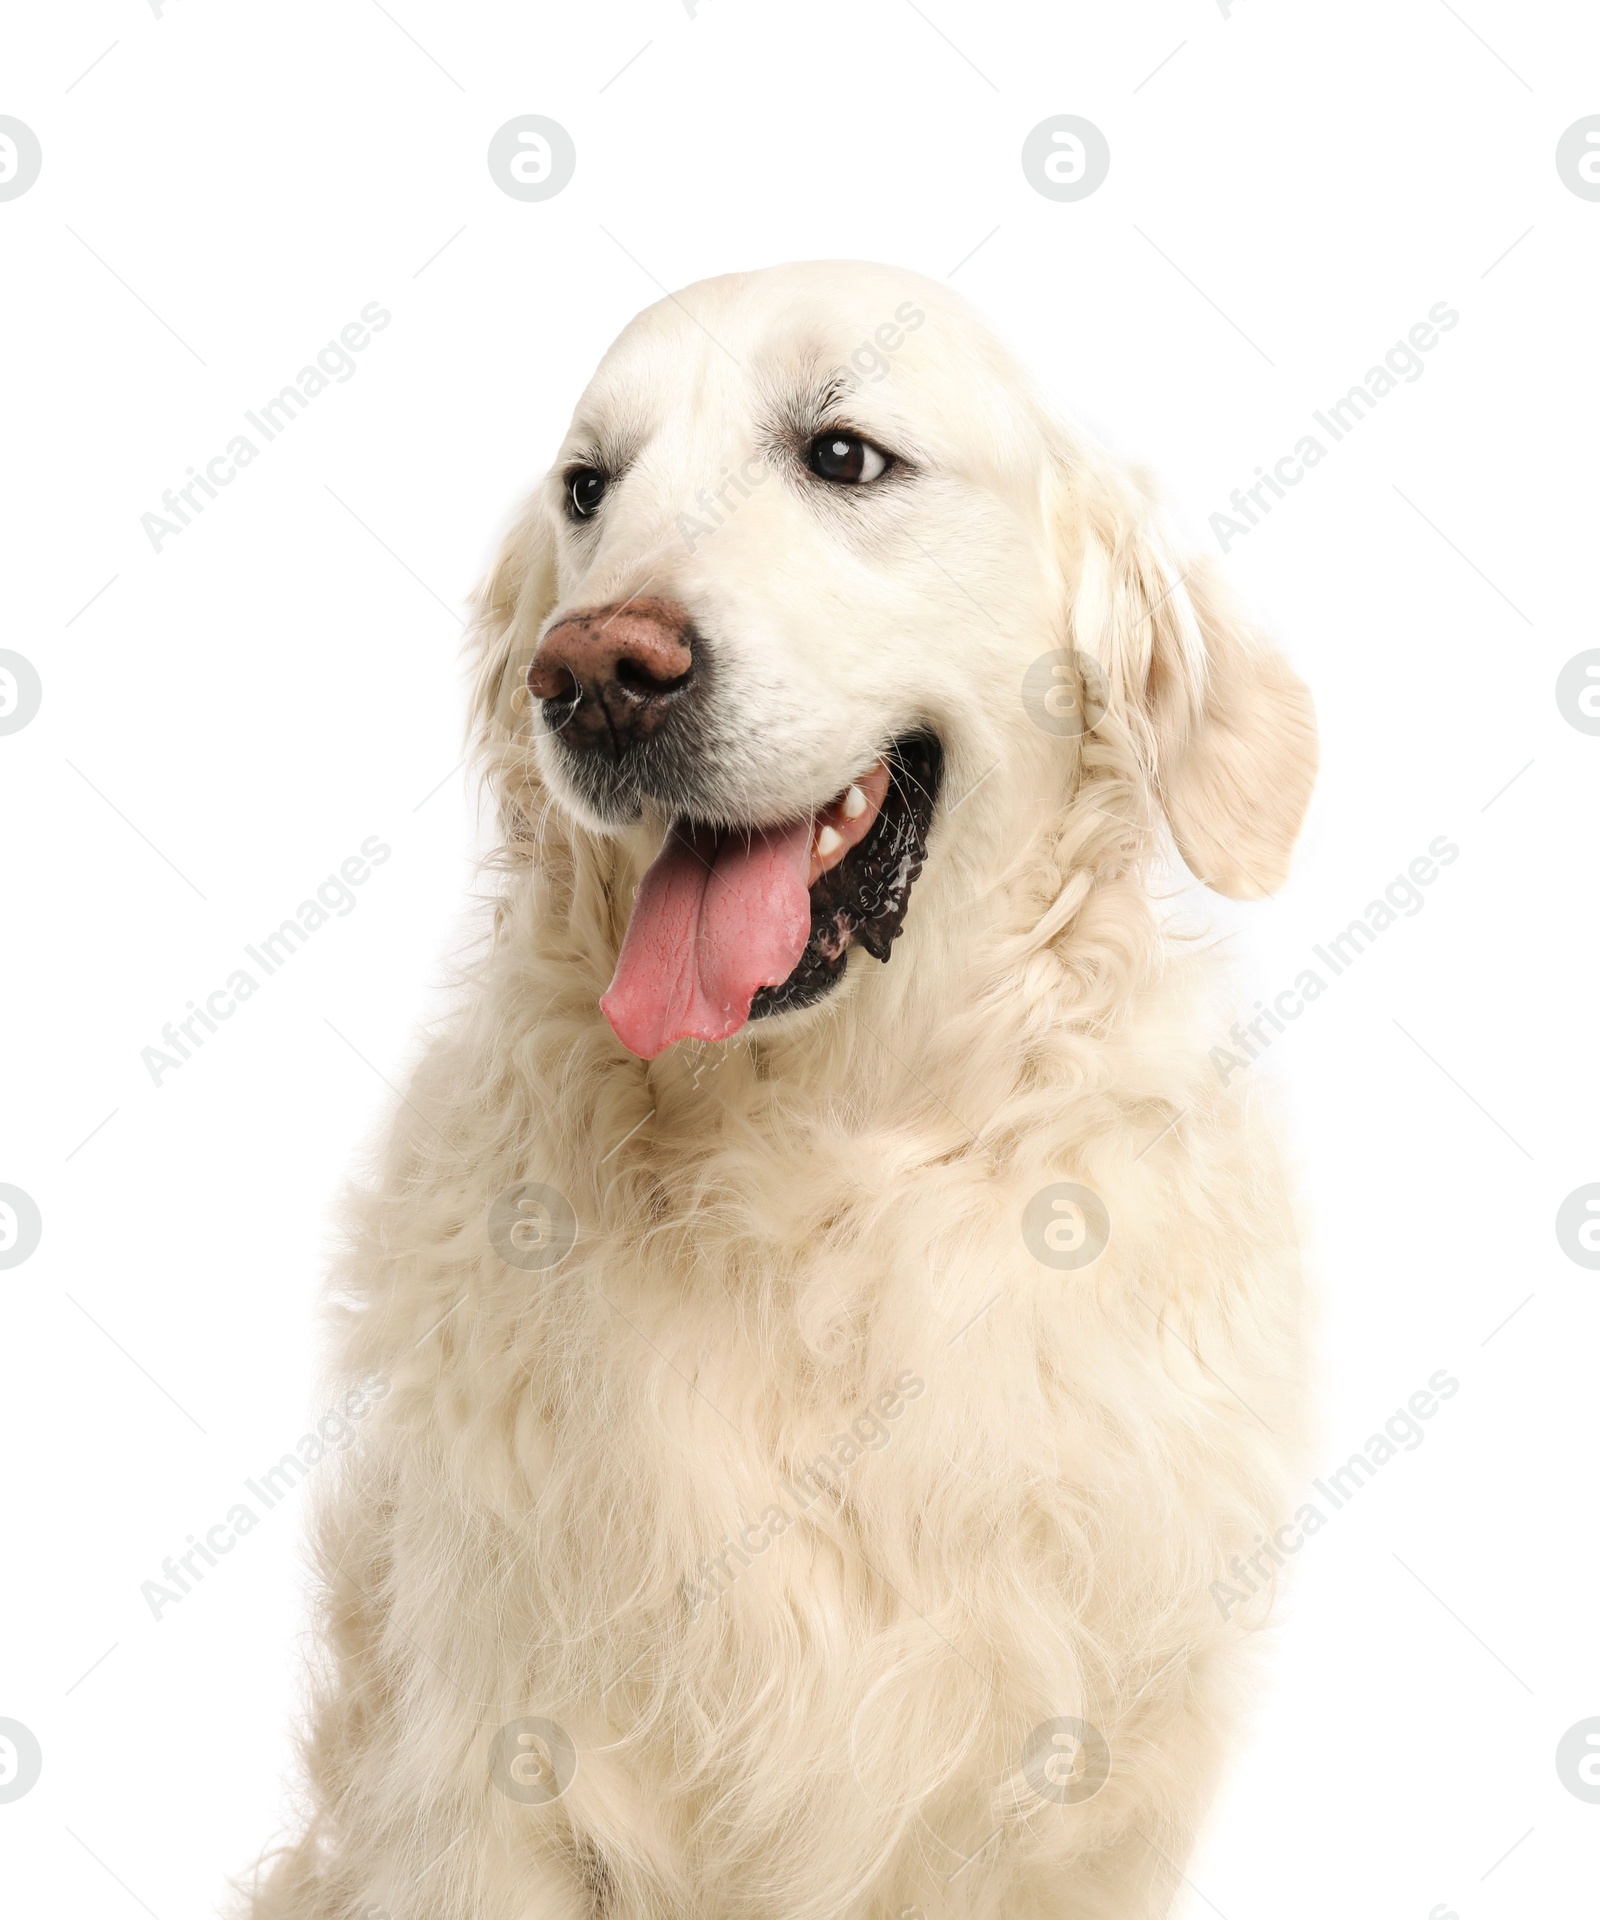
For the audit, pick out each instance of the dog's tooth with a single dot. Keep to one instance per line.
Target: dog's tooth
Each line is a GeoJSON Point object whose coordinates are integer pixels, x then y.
{"type": "Point", "coordinates": [854, 805]}
{"type": "Point", "coordinates": [830, 840]}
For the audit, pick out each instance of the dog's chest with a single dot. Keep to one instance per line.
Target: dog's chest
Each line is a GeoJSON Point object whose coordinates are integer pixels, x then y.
{"type": "Point", "coordinates": [708, 1495]}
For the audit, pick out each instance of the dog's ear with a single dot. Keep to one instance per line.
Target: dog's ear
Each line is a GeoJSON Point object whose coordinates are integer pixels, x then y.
{"type": "Point", "coordinates": [1238, 757]}
{"type": "Point", "coordinates": [510, 607]}
{"type": "Point", "coordinates": [1223, 727]}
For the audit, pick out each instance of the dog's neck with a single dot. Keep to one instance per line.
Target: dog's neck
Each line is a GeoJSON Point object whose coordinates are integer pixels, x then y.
{"type": "Point", "coordinates": [1011, 975]}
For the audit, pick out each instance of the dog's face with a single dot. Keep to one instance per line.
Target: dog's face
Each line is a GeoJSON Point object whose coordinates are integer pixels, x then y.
{"type": "Point", "coordinates": [807, 535]}
{"type": "Point", "coordinates": [818, 528]}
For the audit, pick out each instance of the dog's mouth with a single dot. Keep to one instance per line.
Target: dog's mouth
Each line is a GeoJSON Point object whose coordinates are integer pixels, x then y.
{"type": "Point", "coordinates": [733, 924]}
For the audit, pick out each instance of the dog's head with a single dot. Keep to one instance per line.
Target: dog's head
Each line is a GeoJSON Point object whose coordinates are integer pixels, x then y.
{"type": "Point", "coordinates": [814, 569]}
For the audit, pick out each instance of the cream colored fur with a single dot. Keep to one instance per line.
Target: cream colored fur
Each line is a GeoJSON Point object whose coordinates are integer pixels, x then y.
{"type": "Point", "coordinates": [774, 1231]}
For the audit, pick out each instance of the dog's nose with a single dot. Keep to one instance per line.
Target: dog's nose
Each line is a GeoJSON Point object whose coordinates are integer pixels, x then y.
{"type": "Point", "coordinates": [609, 676]}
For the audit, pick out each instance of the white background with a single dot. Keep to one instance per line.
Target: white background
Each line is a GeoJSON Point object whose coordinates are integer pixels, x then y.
{"type": "Point", "coordinates": [226, 720]}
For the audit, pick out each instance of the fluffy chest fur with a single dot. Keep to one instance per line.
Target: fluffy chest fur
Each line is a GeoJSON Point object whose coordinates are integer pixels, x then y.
{"type": "Point", "coordinates": [800, 1493]}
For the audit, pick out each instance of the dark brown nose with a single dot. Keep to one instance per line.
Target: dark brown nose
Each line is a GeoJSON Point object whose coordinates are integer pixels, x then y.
{"type": "Point", "coordinates": [609, 676]}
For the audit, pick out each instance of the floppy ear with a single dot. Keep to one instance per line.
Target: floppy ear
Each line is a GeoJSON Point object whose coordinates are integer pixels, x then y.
{"type": "Point", "coordinates": [1224, 729]}
{"type": "Point", "coordinates": [1236, 774]}
{"type": "Point", "coordinates": [511, 606]}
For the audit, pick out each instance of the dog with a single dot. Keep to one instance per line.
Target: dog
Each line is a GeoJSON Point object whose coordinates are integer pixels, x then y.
{"type": "Point", "coordinates": [829, 1337]}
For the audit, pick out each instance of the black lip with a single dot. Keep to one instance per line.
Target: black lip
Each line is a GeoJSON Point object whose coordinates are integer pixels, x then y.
{"type": "Point", "coordinates": [863, 900]}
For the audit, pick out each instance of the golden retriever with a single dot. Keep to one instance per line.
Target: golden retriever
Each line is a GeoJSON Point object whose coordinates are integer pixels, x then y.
{"type": "Point", "coordinates": [837, 1335]}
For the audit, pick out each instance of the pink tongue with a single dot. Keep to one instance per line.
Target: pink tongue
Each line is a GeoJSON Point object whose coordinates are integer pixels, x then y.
{"type": "Point", "coordinates": [714, 920]}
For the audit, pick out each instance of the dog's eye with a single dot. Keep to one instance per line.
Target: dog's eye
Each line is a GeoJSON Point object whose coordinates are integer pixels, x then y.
{"type": "Point", "coordinates": [585, 485]}
{"type": "Point", "coordinates": [847, 458]}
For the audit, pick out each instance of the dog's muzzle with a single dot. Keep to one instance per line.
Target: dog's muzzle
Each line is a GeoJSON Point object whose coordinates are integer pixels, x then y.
{"type": "Point", "coordinates": [738, 917]}
{"type": "Point", "coordinates": [610, 678]}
